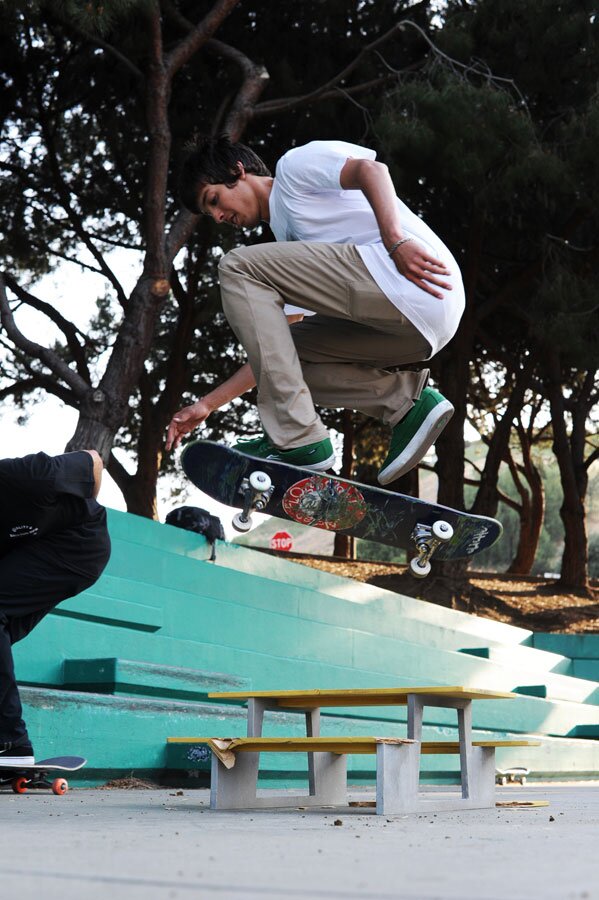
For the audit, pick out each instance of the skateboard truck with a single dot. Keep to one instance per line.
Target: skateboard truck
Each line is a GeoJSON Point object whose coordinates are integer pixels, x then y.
{"type": "Point", "coordinates": [515, 775]}
{"type": "Point", "coordinates": [22, 783]}
{"type": "Point", "coordinates": [257, 490]}
{"type": "Point", "coordinates": [427, 538]}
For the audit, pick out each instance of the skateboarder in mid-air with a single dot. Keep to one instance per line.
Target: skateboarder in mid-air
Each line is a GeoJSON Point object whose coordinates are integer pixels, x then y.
{"type": "Point", "coordinates": [377, 286]}
{"type": "Point", "coordinates": [53, 544]}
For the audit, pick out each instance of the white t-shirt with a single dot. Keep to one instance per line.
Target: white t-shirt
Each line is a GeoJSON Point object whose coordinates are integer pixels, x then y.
{"type": "Point", "coordinates": [307, 203]}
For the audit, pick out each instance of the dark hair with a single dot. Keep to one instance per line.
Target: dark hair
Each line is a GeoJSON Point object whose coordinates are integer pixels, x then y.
{"type": "Point", "coordinates": [214, 161]}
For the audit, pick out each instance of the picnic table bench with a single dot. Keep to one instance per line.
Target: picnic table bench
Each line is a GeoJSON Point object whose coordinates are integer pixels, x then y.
{"type": "Point", "coordinates": [235, 761]}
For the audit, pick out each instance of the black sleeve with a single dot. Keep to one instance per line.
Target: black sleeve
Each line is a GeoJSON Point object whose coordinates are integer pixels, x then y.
{"type": "Point", "coordinates": [41, 475]}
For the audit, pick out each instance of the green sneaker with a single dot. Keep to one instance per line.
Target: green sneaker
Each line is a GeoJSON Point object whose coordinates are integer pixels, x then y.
{"type": "Point", "coordinates": [318, 456]}
{"type": "Point", "coordinates": [253, 446]}
{"type": "Point", "coordinates": [412, 437]}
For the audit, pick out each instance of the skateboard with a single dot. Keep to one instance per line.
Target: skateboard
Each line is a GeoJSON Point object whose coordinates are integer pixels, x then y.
{"type": "Point", "coordinates": [39, 775]}
{"type": "Point", "coordinates": [517, 774]}
{"type": "Point", "coordinates": [335, 504]}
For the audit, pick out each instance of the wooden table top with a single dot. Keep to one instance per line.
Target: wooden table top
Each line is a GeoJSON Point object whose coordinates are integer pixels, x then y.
{"type": "Point", "coordinates": [312, 699]}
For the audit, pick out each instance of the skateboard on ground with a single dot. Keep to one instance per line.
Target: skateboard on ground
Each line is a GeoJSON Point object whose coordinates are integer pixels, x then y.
{"type": "Point", "coordinates": [40, 774]}
{"type": "Point", "coordinates": [515, 775]}
{"type": "Point", "coordinates": [329, 502]}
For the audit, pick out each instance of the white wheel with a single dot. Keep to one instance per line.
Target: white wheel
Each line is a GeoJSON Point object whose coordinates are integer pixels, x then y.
{"type": "Point", "coordinates": [260, 481]}
{"type": "Point", "coordinates": [419, 571]}
{"type": "Point", "coordinates": [442, 531]}
{"type": "Point", "coordinates": [240, 524]}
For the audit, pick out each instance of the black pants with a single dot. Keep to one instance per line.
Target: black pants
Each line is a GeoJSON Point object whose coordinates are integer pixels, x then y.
{"type": "Point", "coordinates": [34, 577]}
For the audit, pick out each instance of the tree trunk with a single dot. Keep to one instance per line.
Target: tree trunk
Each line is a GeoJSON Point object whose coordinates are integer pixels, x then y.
{"type": "Point", "coordinates": [574, 479]}
{"type": "Point", "coordinates": [531, 512]}
{"type": "Point", "coordinates": [106, 407]}
{"type": "Point", "coordinates": [487, 496]}
{"type": "Point", "coordinates": [139, 490]}
{"type": "Point", "coordinates": [454, 377]}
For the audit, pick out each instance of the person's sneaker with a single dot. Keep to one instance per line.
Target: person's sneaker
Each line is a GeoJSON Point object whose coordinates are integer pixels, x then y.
{"type": "Point", "coordinates": [415, 433]}
{"type": "Point", "coordinates": [318, 456]}
{"type": "Point", "coordinates": [253, 446]}
{"type": "Point", "coordinates": [12, 755]}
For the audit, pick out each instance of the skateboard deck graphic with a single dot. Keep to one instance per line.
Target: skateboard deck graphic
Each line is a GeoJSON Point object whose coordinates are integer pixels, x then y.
{"type": "Point", "coordinates": [332, 503]}
{"type": "Point", "coordinates": [37, 775]}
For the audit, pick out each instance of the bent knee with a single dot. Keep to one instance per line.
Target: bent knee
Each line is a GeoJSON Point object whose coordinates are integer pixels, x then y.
{"type": "Point", "coordinates": [96, 458]}
{"type": "Point", "coordinates": [235, 261]}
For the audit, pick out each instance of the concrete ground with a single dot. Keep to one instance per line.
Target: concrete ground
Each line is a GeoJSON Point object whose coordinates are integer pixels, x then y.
{"type": "Point", "coordinates": [155, 844]}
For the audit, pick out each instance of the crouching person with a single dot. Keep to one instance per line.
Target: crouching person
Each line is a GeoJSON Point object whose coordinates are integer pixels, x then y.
{"type": "Point", "coordinates": [54, 544]}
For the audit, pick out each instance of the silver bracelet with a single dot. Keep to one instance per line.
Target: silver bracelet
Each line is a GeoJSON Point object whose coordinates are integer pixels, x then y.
{"type": "Point", "coordinates": [398, 244]}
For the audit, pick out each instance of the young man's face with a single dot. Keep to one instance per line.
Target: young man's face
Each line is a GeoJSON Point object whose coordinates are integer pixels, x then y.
{"type": "Point", "coordinates": [238, 206]}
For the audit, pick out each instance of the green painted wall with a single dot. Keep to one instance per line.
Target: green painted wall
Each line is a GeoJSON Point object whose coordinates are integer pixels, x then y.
{"type": "Point", "coordinates": [168, 626]}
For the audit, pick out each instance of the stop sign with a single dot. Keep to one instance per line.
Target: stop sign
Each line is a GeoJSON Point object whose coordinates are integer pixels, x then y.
{"type": "Point", "coordinates": [282, 540]}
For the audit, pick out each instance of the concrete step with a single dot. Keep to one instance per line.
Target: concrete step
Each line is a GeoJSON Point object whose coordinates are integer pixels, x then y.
{"type": "Point", "coordinates": [131, 677]}
{"type": "Point", "coordinates": [530, 666]}
{"type": "Point", "coordinates": [522, 657]}
{"type": "Point", "coordinates": [580, 646]}
{"type": "Point", "coordinates": [583, 649]}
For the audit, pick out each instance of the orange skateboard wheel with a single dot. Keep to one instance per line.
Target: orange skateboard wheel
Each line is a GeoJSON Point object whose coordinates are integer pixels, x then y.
{"type": "Point", "coordinates": [60, 786]}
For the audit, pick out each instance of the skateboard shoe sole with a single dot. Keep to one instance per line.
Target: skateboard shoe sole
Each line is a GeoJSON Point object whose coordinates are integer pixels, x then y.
{"type": "Point", "coordinates": [322, 466]}
{"type": "Point", "coordinates": [11, 761]}
{"type": "Point", "coordinates": [424, 438]}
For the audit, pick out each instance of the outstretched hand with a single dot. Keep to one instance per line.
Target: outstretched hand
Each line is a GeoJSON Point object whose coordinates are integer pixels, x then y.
{"type": "Point", "coordinates": [422, 269]}
{"type": "Point", "coordinates": [184, 421]}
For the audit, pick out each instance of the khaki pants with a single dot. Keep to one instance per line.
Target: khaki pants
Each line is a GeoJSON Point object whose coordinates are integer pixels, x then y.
{"type": "Point", "coordinates": [338, 357]}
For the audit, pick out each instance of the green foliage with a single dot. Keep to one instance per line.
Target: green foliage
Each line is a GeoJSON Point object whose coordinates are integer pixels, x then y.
{"type": "Point", "coordinates": [101, 16]}
{"type": "Point", "coordinates": [551, 542]}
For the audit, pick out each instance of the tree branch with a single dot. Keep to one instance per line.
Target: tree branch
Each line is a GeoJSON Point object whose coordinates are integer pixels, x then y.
{"type": "Point", "coordinates": [118, 472]}
{"type": "Point", "coordinates": [273, 106]}
{"type": "Point", "coordinates": [179, 233]}
{"type": "Point", "coordinates": [46, 356]}
{"type": "Point", "coordinates": [592, 458]}
{"type": "Point", "coordinates": [108, 48]}
{"type": "Point", "coordinates": [70, 331]}
{"type": "Point", "coordinates": [201, 33]}
{"type": "Point", "coordinates": [39, 382]}
{"type": "Point", "coordinates": [255, 77]}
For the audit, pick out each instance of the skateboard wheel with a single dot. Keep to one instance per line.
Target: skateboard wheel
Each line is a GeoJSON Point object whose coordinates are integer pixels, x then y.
{"type": "Point", "coordinates": [19, 785]}
{"type": "Point", "coordinates": [418, 570]}
{"type": "Point", "coordinates": [60, 786]}
{"type": "Point", "coordinates": [240, 524]}
{"type": "Point", "coordinates": [442, 531]}
{"type": "Point", "coordinates": [260, 481]}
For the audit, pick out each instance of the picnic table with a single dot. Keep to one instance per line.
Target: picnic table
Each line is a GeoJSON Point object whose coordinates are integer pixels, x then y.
{"type": "Point", "coordinates": [236, 760]}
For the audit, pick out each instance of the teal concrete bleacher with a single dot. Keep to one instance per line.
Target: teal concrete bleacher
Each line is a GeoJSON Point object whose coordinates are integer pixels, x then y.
{"type": "Point", "coordinates": [523, 657]}
{"type": "Point", "coordinates": [539, 665]}
{"type": "Point", "coordinates": [131, 677]}
{"type": "Point", "coordinates": [582, 649]}
{"type": "Point", "coordinates": [265, 622]}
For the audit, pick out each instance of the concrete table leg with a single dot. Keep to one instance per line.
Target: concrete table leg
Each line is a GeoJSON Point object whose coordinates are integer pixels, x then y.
{"type": "Point", "coordinates": [236, 788]}
{"type": "Point", "coordinates": [397, 771]}
{"type": "Point", "coordinates": [313, 730]}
